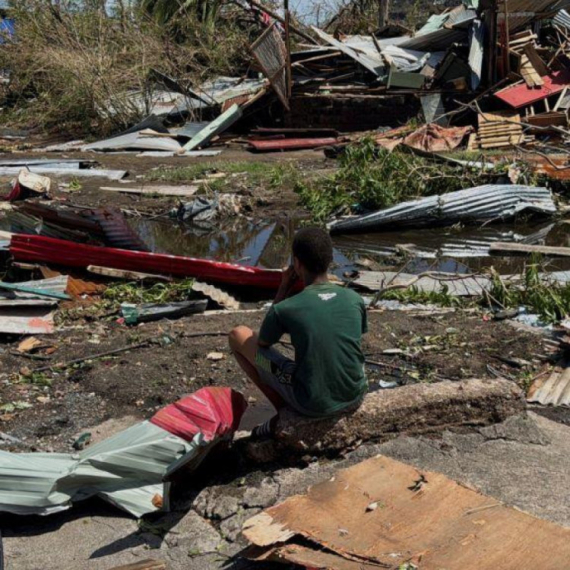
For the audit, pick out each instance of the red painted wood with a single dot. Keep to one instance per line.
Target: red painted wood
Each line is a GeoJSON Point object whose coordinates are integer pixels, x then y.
{"type": "Point", "coordinates": [521, 95]}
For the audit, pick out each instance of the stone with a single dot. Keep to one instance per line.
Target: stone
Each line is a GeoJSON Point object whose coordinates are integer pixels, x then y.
{"type": "Point", "coordinates": [231, 528]}
{"type": "Point", "coordinates": [262, 496]}
{"type": "Point", "coordinates": [410, 410]}
{"type": "Point", "coordinates": [193, 533]}
{"type": "Point", "coordinates": [214, 503]}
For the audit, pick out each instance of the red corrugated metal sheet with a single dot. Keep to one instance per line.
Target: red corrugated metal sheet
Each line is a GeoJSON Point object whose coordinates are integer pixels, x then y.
{"type": "Point", "coordinates": [522, 95]}
{"type": "Point", "coordinates": [290, 144]}
{"type": "Point", "coordinates": [40, 249]}
{"type": "Point", "coordinates": [117, 231]}
{"type": "Point", "coordinates": [213, 412]}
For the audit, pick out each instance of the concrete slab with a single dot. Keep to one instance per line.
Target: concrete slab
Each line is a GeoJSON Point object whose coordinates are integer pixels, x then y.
{"type": "Point", "coordinates": [523, 462]}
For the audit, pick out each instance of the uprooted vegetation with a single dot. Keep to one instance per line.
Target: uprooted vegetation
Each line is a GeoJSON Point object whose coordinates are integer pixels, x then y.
{"type": "Point", "coordinates": [73, 69]}
{"type": "Point", "coordinates": [371, 178]}
{"type": "Point", "coordinates": [548, 299]}
{"type": "Point", "coordinates": [129, 292]}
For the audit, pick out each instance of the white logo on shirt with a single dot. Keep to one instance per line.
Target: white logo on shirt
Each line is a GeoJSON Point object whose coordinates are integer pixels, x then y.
{"type": "Point", "coordinates": [327, 296]}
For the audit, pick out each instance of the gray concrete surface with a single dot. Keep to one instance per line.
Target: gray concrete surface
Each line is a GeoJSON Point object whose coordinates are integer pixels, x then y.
{"type": "Point", "coordinates": [524, 462]}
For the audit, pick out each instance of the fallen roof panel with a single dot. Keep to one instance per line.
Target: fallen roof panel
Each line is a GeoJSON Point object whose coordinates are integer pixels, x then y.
{"type": "Point", "coordinates": [373, 64]}
{"type": "Point", "coordinates": [26, 320]}
{"type": "Point", "coordinates": [216, 127]}
{"type": "Point", "coordinates": [290, 144]}
{"type": "Point", "coordinates": [46, 250]}
{"type": "Point", "coordinates": [70, 172]}
{"type": "Point", "coordinates": [129, 469]}
{"type": "Point", "coordinates": [492, 202]}
{"type": "Point", "coordinates": [135, 141]}
{"type": "Point", "coordinates": [554, 390]}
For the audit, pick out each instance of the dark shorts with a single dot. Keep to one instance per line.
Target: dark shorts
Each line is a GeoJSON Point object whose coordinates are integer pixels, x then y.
{"type": "Point", "coordinates": [276, 371]}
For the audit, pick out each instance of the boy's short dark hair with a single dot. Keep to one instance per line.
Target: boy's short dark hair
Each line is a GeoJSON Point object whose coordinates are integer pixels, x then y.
{"type": "Point", "coordinates": [314, 249]}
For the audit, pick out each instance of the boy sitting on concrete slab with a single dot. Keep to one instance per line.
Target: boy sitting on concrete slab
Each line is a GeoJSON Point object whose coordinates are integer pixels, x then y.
{"type": "Point", "coordinates": [326, 323]}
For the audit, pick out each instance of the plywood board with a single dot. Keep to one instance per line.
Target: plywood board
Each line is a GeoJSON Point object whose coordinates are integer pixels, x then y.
{"type": "Point", "coordinates": [388, 513]}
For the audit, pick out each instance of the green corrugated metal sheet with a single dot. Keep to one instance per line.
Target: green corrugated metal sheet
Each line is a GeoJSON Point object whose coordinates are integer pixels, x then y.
{"type": "Point", "coordinates": [127, 469]}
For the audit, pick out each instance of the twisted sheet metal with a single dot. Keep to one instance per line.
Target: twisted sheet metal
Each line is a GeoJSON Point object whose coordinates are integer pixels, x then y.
{"type": "Point", "coordinates": [555, 390]}
{"type": "Point", "coordinates": [483, 203]}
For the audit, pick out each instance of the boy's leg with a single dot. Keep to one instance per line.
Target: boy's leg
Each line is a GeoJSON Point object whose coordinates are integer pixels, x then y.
{"type": "Point", "coordinates": [243, 342]}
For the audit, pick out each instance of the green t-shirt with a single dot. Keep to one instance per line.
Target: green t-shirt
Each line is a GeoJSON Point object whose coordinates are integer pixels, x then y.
{"type": "Point", "coordinates": [326, 323]}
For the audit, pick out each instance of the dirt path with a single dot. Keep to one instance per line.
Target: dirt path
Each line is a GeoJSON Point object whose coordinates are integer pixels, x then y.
{"type": "Point", "coordinates": [66, 402]}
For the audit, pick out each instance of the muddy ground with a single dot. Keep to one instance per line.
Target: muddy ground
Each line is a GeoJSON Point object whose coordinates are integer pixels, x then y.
{"type": "Point", "coordinates": [68, 401]}
{"type": "Point", "coordinates": [263, 199]}
{"type": "Point", "coordinates": [48, 410]}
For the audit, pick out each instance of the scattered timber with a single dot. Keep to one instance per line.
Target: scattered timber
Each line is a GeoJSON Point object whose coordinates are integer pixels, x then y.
{"type": "Point", "coordinates": [501, 248]}
{"type": "Point", "coordinates": [179, 191]}
{"type": "Point", "coordinates": [127, 275]}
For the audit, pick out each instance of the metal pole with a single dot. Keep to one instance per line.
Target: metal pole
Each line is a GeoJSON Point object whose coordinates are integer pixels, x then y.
{"type": "Point", "coordinates": [506, 55]}
{"type": "Point", "coordinates": [288, 45]}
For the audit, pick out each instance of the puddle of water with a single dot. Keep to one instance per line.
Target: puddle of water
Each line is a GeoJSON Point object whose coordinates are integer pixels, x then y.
{"type": "Point", "coordinates": [263, 243]}
{"type": "Point", "coordinates": [268, 244]}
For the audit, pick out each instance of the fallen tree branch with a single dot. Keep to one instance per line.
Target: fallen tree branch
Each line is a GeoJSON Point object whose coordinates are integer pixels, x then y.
{"type": "Point", "coordinates": [93, 356]}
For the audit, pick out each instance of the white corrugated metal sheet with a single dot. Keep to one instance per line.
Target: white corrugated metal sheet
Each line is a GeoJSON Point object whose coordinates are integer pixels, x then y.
{"type": "Point", "coordinates": [555, 391]}
{"type": "Point", "coordinates": [483, 203]}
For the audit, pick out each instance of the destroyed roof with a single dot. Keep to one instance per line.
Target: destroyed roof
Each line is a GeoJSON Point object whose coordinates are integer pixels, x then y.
{"type": "Point", "coordinates": [524, 12]}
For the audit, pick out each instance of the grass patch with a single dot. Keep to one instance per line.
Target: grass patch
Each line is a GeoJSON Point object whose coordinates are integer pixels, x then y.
{"type": "Point", "coordinates": [371, 178]}
{"type": "Point", "coordinates": [252, 173]}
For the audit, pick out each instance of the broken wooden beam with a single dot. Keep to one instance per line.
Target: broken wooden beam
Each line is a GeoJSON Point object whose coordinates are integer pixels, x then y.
{"type": "Point", "coordinates": [179, 191]}
{"type": "Point", "coordinates": [507, 248]}
{"type": "Point", "coordinates": [124, 274]}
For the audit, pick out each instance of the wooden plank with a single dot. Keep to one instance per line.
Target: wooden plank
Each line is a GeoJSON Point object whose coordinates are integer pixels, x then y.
{"type": "Point", "coordinates": [501, 248]}
{"type": "Point", "coordinates": [216, 127]}
{"type": "Point", "coordinates": [124, 274]}
{"type": "Point", "coordinates": [183, 191]}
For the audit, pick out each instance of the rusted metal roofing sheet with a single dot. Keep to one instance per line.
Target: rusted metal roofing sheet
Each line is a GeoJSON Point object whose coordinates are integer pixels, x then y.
{"type": "Point", "coordinates": [554, 390]}
{"type": "Point", "coordinates": [290, 144]}
{"type": "Point", "coordinates": [522, 95]}
{"type": "Point", "coordinates": [117, 231]}
{"type": "Point", "coordinates": [75, 287]}
{"type": "Point", "coordinates": [270, 52]}
{"type": "Point", "coordinates": [382, 513]}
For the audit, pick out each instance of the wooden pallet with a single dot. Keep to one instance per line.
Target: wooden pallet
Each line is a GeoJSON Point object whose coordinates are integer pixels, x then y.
{"type": "Point", "coordinates": [496, 130]}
